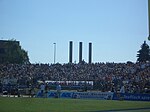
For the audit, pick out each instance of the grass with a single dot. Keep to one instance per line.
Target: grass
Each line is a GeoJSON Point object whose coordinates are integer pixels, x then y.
{"type": "Point", "coordinates": [65, 105]}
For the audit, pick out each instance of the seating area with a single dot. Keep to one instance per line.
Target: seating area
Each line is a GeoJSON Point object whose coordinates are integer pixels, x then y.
{"type": "Point", "coordinates": [135, 77]}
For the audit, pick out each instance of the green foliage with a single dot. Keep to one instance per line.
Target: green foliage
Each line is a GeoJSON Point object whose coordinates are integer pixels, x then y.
{"type": "Point", "coordinates": [149, 37]}
{"type": "Point", "coordinates": [144, 53]}
{"type": "Point", "coordinates": [14, 53]}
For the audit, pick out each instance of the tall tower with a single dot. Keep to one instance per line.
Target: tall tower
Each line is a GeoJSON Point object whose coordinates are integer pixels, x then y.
{"type": "Point", "coordinates": [90, 52]}
{"type": "Point", "coordinates": [80, 52]}
{"type": "Point", "coordinates": [70, 51]}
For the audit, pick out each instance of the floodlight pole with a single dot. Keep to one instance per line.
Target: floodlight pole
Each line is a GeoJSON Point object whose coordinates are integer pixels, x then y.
{"type": "Point", "coordinates": [149, 18]}
{"type": "Point", "coordinates": [54, 52]}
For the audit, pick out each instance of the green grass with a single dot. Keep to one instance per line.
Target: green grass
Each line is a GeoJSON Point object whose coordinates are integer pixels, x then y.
{"type": "Point", "coordinates": [65, 105]}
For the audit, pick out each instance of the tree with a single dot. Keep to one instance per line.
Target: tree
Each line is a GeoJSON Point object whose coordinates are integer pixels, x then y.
{"type": "Point", "coordinates": [14, 53]}
{"type": "Point", "coordinates": [144, 53]}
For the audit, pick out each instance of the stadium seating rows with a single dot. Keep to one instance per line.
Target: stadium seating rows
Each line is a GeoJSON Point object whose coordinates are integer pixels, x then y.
{"type": "Point", "coordinates": [106, 76]}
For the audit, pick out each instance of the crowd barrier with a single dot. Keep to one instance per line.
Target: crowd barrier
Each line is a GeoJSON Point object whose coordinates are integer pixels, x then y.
{"type": "Point", "coordinates": [97, 95]}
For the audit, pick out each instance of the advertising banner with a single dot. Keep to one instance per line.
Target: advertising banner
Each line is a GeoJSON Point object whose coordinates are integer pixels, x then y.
{"type": "Point", "coordinates": [78, 95]}
{"type": "Point", "coordinates": [94, 95]}
{"type": "Point", "coordinates": [132, 97]}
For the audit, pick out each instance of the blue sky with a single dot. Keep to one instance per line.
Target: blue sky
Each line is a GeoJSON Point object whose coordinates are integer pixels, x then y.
{"type": "Point", "coordinates": [116, 28]}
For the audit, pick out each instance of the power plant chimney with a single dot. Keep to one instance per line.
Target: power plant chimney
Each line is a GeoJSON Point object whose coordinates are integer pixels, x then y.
{"type": "Point", "coordinates": [70, 51]}
{"type": "Point", "coordinates": [80, 52]}
{"type": "Point", "coordinates": [90, 52]}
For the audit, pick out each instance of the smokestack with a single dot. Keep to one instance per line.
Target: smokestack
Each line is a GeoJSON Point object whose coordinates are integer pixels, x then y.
{"type": "Point", "coordinates": [90, 52]}
{"type": "Point", "coordinates": [70, 51]}
{"type": "Point", "coordinates": [80, 52]}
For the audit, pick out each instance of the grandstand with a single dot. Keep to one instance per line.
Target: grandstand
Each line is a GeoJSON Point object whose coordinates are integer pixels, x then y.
{"type": "Point", "coordinates": [102, 77]}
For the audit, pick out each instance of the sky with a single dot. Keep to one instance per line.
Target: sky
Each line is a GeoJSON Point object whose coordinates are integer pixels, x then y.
{"type": "Point", "coordinates": [116, 28]}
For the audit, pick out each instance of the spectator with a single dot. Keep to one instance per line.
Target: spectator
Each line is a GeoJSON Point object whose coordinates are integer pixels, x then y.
{"type": "Point", "coordinates": [106, 76]}
{"type": "Point", "coordinates": [58, 89]}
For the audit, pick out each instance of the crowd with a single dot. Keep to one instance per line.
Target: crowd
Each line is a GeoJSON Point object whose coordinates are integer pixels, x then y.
{"type": "Point", "coordinates": [134, 77]}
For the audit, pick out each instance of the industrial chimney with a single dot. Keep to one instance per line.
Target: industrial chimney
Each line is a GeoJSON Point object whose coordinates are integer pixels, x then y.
{"type": "Point", "coordinates": [80, 52]}
{"type": "Point", "coordinates": [90, 52]}
{"type": "Point", "coordinates": [70, 51]}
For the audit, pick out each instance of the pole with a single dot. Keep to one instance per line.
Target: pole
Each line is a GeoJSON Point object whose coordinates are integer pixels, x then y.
{"type": "Point", "coordinates": [54, 52]}
{"type": "Point", "coordinates": [70, 51]}
{"type": "Point", "coordinates": [149, 19]}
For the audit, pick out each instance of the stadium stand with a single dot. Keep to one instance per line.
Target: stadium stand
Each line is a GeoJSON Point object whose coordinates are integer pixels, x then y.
{"type": "Point", "coordinates": [135, 77]}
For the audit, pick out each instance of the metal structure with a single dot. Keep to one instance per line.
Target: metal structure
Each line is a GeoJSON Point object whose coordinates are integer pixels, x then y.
{"type": "Point", "coordinates": [149, 19]}
{"type": "Point", "coordinates": [54, 52]}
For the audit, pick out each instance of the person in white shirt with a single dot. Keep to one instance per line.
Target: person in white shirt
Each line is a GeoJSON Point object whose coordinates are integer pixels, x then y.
{"type": "Point", "coordinates": [58, 89]}
{"type": "Point", "coordinates": [122, 90]}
